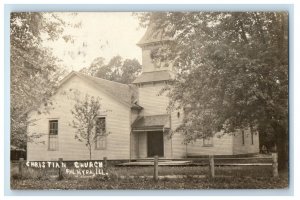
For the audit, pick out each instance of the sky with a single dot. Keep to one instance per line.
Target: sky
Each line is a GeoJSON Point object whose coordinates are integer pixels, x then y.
{"type": "Point", "coordinates": [103, 34]}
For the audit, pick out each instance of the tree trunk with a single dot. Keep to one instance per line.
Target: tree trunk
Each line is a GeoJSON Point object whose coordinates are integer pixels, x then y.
{"type": "Point", "coordinates": [90, 150]}
{"type": "Point", "coordinates": [283, 151]}
{"type": "Point", "coordinates": [282, 144]}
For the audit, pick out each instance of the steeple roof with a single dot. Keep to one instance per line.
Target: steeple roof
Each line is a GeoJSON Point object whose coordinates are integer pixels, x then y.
{"type": "Point", "coordinates": [153, 35]}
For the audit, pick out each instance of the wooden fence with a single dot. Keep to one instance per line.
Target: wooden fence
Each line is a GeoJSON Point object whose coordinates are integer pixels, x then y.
{"type": "Point", "coordinates": [274, 165]}
{"type": "Point", "coordinates": [211, 167]}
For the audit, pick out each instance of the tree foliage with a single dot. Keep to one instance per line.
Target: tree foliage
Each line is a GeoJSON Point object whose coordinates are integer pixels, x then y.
{"type": "Point", "coordinates": [117, 69]}
{"type": "Point", "coordinates": [96, 64]}
{"type": "Point", "coordinates": [232, 71]}
{"type": "Point", "coordinates": [85, 113]}
{"type": "Point", "coordinates": [34, 72]}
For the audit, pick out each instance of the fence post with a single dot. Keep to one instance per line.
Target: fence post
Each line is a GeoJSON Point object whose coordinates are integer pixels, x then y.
{"type": "Point", "coordinates": [275, 165]}
{"type": "Point", "coordinates": [155, 175]}
{"type": "Point", "coordinates": [211, 166]}
{"type": "Point", "coordinates": [104, 165]}
{"type": "Point", "coordinates": [21, 161]}
{"type": "Point", "coordinates": [60, 174]}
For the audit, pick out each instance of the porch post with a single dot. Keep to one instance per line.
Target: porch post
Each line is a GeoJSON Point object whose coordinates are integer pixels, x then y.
{"type": "Point", "coordinates": [130, 145]}
{"type": "Point", "coordinates": [138, 145]}
{"type": "Point", "coordinates": [155, 175]}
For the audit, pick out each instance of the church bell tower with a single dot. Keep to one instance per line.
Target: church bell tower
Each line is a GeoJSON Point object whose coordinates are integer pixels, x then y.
{"type": "Point", "coordinates": [152, 69]}
{"type": "Point", "coordinates": [155, 75]}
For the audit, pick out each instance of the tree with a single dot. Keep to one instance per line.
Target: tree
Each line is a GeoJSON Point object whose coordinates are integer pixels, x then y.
{"type": "Point", "coordinates": [112, 71]}
{"type": "Point", "coordinates": [119, 70]}
{"type": "Point", "coordinates": [97, 63]}
{"type": "Point", "coordinates": [131, 70]}
{"type": "Point", "coordinates": [232, 72]}
{"type": "Point", "coordinates": [34, 70]}
{"type": "Point", "coordinates": [85, 113]}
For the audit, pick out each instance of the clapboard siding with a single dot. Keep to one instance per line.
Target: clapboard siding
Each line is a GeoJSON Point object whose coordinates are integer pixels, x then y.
{"type": "Point", "coordinates": [221, 146]}
{"type": "Point", "coordinates": [153, 104]}
{"type": "Point", "coordinates": [134, 146]}
{"type": "Point", "coordinates": [178, 148]}
{"type": "Point", "coordinates": [134, 138]}
{"type": "Point", "coordinates": [151, 101]}
{"type": "Point", "coordinates": [247, 147]}
{"type": "Point", "coordinates": [167, 147]}
{"type": "Point", "coordinates": [142, 146]}
{"type": "Point", "coordinates": [147, 62]}
{"type": "Point", "coordinates": [134, 115]}
{"type": "Point", "coordinates": [117, 123]}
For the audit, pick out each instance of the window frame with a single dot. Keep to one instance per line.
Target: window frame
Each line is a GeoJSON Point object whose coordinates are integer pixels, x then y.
{"type": "Point", "coordinates": [102, 136]}
{"type": "Point", "coordinates": [53, 137]}
{"type": "Point", "coordinates": [210, 144]}
{"type": "Point", "coordinates": [243, 137]}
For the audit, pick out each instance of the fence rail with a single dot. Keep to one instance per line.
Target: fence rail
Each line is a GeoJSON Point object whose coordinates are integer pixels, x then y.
{"type": "Point", "coordinates": [210, 161]}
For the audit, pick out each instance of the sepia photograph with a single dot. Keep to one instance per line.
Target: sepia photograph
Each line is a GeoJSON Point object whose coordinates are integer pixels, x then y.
{"type": "Point", "coordinates": [149, 100]}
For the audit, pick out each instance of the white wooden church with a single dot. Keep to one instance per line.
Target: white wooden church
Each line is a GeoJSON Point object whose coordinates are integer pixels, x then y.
{"type": "Point", "coordinates": [137, 122]}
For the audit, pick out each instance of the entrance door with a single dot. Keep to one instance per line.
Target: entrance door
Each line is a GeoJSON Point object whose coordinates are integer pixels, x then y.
{"type": "Point", "coordinates": [155, 144]}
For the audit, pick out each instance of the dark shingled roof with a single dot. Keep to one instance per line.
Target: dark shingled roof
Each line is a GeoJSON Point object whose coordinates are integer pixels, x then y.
{"type": "Point", "coordinates": [153, 122]}
{"type": "Point", "coordinates": [124, 93]}
{"type": "Point", "coordinates": [154, 76]}
{"type": "Point", "coordinates": [153, 35]}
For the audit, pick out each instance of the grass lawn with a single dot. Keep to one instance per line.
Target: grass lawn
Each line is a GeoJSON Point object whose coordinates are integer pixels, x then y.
{"type": "Point", "coordinates": [89, 184]}
{"type": "Point", "coordinates": [238, 171]}
{"type": "Point", "coordinates": [241, 177]}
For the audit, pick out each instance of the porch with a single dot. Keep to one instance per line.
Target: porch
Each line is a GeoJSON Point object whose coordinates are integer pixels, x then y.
{"type": "Point", "coordinates": [149, 137]}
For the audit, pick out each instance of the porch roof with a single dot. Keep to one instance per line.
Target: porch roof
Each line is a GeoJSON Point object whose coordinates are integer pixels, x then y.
{"type": "Point", "coordinates": [152, 123]}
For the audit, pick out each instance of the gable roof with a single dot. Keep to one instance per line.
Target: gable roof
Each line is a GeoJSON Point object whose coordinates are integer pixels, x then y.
{"type": "Point", "coordinates": [153, 122]}
{"type": "Point", "coordinates": [126, 94]}
{"type": "Point", "coordinates": [154, 76]}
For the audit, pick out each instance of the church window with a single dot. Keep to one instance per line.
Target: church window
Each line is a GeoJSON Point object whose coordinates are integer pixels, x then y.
{"type": "Point", "coordinates": [100, 140]}
{"type": "Point", "coordinates": [243, 137]}
{"type": "Point", "coordinates": [208, 142]}
{"type": "Point", "coordinates": [53, 135]}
